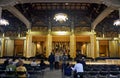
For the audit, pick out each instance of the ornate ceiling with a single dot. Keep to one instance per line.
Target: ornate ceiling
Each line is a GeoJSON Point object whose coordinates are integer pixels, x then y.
{"type": "Point", "coordinates": [84, 15]}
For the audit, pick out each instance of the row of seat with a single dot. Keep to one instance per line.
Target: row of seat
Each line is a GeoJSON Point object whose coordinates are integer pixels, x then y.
{"type": "Point", "coordinates": [13, 74]}
{"type": "Point", "coordinates": [101, 74]}
{"type": "Point", "coordinates": [102, 68]}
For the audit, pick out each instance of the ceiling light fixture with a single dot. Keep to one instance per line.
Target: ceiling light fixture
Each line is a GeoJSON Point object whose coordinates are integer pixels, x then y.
{"type": "Point", "coordinates": [117, 22]}
{"type": "Point", "coordinates": [4, 22]}
{"type": "Point", "coordinates": [61, 17]}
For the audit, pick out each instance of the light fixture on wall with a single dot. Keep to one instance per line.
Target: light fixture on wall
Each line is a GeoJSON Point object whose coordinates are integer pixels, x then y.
{"type": "Point", "coordinates": [61, 17]}
{"type": "Point", "coordinates": [4, 22]}
{"type": "Point", "coordinates": [117, 22]}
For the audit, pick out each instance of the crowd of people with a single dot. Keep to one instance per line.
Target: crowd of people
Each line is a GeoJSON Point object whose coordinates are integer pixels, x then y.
{"type": "Point", "coordinates": [55, 62]}
{"type": "Point", "coordinates": [67, 69]}
{"type": "Point", "coordinates": [15, 67]}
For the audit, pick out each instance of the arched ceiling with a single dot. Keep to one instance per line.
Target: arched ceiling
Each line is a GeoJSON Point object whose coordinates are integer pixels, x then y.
{"type": "Point", "coordinates": [90, 14]}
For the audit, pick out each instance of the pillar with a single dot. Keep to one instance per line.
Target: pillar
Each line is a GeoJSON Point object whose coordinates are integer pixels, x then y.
{"type": "Point", "coordinates": [2, 40]}
{"type": "Point", "coordinates": [97, 48]}
{"type": "Point", "coordinates": [93, 45]}
{"type": "Point", "coordinates": [49, 40]}
{"type": "Point", "coordinates": [72, 46]}
{"type": "Point", "coordinates": [28, 44]}
{"type": "Point", "coordinates": [72, 42]}
{"type": "Point", "coordinates": [119, 44]}
{"type": "Point", "coordinates": [48, 45]}
{"type": "Point", "coordinates": [2, 46]}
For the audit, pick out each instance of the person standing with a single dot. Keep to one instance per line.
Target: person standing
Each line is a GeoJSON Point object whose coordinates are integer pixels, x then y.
{"type": "Point", "coordinates": [51, 60]}
{"type": "Point", "coordinates": [64, 60]}
{"type": "Point", "coordinates": [83, 62]}
{"type": "Point", "coordinates": [57, 60]}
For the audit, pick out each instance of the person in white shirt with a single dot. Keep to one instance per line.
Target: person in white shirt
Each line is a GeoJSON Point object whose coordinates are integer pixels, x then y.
{"type": "Point", "coordinates": [34, 63]}
{"type": "Point", "coordinates": [78, 68]}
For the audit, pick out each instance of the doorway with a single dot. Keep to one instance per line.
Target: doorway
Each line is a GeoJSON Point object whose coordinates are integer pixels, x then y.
{"type": "Point", "coordinates": [81, 48]}
{"type": "Point", "coordinates": [61, 47]}
{"type": "Point", "coordinates": [39, 47]}
{"type": "Point", "coordinates": [103, 48]}
{"type": "Point", "coordinates": [19, 47]}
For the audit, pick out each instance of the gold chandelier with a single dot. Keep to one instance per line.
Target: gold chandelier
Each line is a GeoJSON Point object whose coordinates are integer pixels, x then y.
{"type": "Point", "coordinates": [4, 22]}
{"type": "Point", "coordinates": [61, 17]}
{"type": "Point", "coordinates": [117, 22]}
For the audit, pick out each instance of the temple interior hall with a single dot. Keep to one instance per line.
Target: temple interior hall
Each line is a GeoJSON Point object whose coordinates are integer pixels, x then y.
{"type": "Point", "coordinates": [33, 29]}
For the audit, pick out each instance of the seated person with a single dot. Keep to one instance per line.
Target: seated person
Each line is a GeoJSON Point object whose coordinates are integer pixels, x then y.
{"type": "Point", "coordinates": [67, 70]}
{"type": "Point", "coordinates": [6, 62]}
{"type": "Point", "coordinates": [14, 61]}
{"type": "Point", "coordinates": [17, 62]}
{"type": "Point", "coordinates": [42, 64]}
{"type": "Point", "coordinates": [21, 70]}
{"type": "Point", "coordinates": [10, 69]}
{"type": "Point", "coordinates": [33, 63]}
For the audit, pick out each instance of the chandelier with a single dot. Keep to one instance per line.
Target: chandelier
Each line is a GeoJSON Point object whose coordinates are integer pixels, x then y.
{"type": "Point", "coordinates": [117, 22]}
{"type": "Point", "coordinates": [4, 22]}
{"type": "Point", "coordinates": [61, 17]}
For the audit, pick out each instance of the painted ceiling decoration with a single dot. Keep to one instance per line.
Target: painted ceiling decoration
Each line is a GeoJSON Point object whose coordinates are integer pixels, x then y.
{"type": "Point", "coordinates": [87, 15]}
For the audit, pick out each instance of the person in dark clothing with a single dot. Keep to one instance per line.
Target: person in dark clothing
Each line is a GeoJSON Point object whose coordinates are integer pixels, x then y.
{"type": "Point", "coordinates": [6, 62]}
{"type": "Point", "coordinates": [83, 62]}
{"type": "Point", "coordinates": [51, 60]}
{"type": "Point", "coordinates": [64, 60]}
{"type": "Point", "coordinates": [42, 64]}
{"type": "Point", "coordinates": [67, 70]}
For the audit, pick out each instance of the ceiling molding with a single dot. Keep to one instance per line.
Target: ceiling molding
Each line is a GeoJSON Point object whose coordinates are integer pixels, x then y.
{"type": "Point", "coordinates": [113, 3]}
{"type": "Point", "coordinates": [8, 2]}
{"type": "Point", "coordinates": [19, 15]}
{"type": "Point", "coordinates": [104, 14]}
{"type": "Point", "coordinates": [14, 2]}
{"type": "Point", "coordinates": [61, 1]}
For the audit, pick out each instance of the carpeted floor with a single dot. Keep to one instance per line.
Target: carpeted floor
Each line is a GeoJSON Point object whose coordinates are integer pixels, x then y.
{"type": "Point", "coordinates": [53, 74]}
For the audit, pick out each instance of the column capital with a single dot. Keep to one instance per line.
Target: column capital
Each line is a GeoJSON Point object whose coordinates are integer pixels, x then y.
{"type": "Point", "coordinates": [72, 27]}
{"type": "Point", "coordinates": [29, 30]}
{"type": "Point", "coordinates": [119, 35]}
{"type": "Point", "coordinates": [3, 35]}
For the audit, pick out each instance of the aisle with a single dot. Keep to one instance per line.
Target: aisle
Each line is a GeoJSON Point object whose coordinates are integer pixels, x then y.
{"type": "Point", "coordinates": [53, 74]}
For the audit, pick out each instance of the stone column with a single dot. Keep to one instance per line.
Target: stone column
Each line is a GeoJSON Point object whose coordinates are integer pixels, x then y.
{"type": "Point", "coordinates": [48, 45]}
{"type": "Point", "coordinates": [2, 40]}
{"type": "Point", "coordinates": [93, 45]}
{"type": "Point", "coordinates": [97, 48]}
{"type": "Point", "coordinates": [28, 44]}
{"type": "Point", "coordinates": [119, 44]}
{"type": "Point", "coordinates": [2, 45]}
{"type": "Point", "coordinates": [72, 46]}
{"type": "Point", "coordinates": [72, 42]}
{"type": "Point", "coordinates": [49, 40]}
